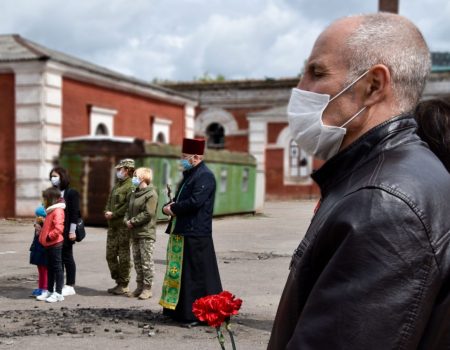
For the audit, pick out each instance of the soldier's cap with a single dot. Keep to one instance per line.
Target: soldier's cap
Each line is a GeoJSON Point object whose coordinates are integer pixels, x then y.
{"type": "Point", "coordinates": [125, 163]}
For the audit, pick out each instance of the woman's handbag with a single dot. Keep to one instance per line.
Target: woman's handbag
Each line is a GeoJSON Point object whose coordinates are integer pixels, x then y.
{"type": "Point", "coordinates": [80, 230]}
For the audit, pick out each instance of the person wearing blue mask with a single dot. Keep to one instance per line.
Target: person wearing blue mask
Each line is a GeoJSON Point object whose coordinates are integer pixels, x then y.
{"type": "Point", "coordinates": [140, 219]}
{"type": "Point", "coordinates": [192, 270]}
{"type": "Point", "coordinates": [118, 242]}
{"type": "Point", "coordinates": [38, 255]}
{"type": "Point", "coordinates": [373, 269]}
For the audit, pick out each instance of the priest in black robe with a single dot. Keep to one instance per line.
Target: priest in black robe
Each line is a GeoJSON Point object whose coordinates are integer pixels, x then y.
{"type": "Point", "coordinates": [192, 270]}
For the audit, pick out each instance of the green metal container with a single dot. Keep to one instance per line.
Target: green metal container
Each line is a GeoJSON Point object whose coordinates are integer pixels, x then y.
{"type": "Point", "coordinates": [91, 166]}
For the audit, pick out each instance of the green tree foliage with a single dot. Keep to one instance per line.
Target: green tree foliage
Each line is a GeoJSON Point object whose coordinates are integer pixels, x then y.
{"type": "Point", "coordinates": [207, 78]}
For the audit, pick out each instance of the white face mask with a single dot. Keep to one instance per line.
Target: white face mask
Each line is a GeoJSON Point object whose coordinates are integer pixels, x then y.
{"type": "Point", "coordinates": [136, 181]}
{"type": "Point", "coordinates": [305, 110]}
{"type": "Point", "coordinates": [55, 181]}
{"type": "Point", "coordinates": [120, 175]}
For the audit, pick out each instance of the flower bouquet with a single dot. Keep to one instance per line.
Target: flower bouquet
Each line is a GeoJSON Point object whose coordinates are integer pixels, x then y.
{"type": "Point", "coordinates": [217, 309]}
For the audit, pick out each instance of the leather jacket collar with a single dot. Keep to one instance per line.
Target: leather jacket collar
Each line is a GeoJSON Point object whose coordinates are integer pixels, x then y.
{"type": "Point", "coordinates": [368, 146]}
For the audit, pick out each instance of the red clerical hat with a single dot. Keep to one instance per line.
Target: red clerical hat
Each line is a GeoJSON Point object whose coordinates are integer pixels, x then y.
{"type": "Point", "coordinates": [193, 146]}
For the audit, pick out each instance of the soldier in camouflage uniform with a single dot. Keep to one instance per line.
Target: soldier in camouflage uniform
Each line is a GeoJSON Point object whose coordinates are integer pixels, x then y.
{"type": "Point", "coordinates": [140, 219]}
{"type": "Point", "coordinates": [118, 239]}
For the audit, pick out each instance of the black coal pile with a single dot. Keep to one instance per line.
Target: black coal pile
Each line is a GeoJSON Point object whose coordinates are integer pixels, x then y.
{"type": "Point", "coordinates": [79, 321]}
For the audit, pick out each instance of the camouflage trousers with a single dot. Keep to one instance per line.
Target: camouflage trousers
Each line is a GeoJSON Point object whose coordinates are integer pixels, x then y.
{"type": "Point", "coordinates": [118, 254]}
{"type": "Point", "coordinates": [143, 260]}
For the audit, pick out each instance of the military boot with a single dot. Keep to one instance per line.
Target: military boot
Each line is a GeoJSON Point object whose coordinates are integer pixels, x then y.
{"type": "Point", "coordinates": [113, 289]}
{"type": "Point", "coordinates": [121, 290]}
{"type": "Point", "coordinates": [138, 290]}
{"type": "Point", "coordinates": [146, 292]}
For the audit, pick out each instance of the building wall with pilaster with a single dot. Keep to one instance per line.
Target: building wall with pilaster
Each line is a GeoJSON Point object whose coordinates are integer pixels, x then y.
{"type": "Point", "coordinates": [38, 129]}
{"type": "Point", "coordinates": [257, 145]}
{"type": "Point", "coordinates": [40, 107]}
{"type": "Point", "coordinates": [7, 145]}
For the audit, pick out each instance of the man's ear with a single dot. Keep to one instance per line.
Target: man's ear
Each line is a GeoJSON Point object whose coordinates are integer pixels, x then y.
{"type": "Point", "coordinates": [378, 83]}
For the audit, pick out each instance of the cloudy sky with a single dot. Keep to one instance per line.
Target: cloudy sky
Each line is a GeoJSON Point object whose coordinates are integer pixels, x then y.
{"type": "Point", "coordinates": [184, 39]}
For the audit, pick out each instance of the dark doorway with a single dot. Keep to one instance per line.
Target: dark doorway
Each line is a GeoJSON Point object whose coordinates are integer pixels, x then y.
{"type": "Point", "coordinates": [160, 138]}
{"type": "Point", "coordinates": [216, 136]}
{"type": "Point", "coordinates": [101, 130]}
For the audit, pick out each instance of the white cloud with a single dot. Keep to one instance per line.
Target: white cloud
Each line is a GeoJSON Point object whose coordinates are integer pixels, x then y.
{"type": "Point", "coordinates": [182, 39]}
{"type": "Point", "coordinates": [432, 18]}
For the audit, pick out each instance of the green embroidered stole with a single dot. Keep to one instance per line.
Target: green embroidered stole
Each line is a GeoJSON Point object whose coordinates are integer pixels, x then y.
{"type": "Point", "coordinates": [174, 262]}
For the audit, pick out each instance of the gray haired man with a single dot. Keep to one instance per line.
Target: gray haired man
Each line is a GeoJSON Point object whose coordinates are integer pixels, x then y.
{"type": "Point", "coordinates": [373, 270]}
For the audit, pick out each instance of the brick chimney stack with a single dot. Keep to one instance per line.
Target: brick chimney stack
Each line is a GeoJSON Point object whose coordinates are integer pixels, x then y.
{"type": "Point", "coordinates": [388, 6]}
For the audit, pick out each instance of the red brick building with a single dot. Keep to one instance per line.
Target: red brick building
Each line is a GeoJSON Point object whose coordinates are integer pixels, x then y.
{"type": "Point", "coordinates": [47, 97]}
{"type": "Point", "coordinates": [250, 116]}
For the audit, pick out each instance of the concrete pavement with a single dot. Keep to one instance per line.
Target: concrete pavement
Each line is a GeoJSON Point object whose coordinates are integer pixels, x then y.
{"type": "Point", "coordinates": [253, 254]}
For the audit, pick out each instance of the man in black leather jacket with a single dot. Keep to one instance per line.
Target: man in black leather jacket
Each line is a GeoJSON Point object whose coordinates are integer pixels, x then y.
{"type": "Point", "coordinates": [373, 270]}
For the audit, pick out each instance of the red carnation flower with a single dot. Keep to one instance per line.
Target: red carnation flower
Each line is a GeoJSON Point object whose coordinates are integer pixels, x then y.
{"type": "Point", "coordinates": [217, 309]}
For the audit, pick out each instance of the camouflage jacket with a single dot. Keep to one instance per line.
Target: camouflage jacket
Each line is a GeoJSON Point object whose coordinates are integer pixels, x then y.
{"type": "Point", "coordinates": [142, 212]}
{"type": "Point", "coordinates": [118, 202]}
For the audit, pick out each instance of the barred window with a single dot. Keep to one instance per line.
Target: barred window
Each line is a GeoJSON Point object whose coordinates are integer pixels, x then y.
{"type": "Point", "coordinates": [298, 161]}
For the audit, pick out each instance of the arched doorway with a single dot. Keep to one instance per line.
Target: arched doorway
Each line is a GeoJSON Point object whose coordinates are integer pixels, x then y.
{"type": "Point", "coordinates": [160, 138]}
{"type": "Point", "coordinates": [101, 130]}
{"type": "Point", "coordinates": [216, 136]}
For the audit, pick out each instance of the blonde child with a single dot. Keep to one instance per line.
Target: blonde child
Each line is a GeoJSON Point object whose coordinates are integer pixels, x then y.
{"type": "Point", "coordinates": [140, 218]}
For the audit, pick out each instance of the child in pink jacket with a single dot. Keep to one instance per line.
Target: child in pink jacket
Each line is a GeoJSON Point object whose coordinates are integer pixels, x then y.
{"type": "Point", "coordinates": [51, 237]}
{"type": "Point", "coordinates": [38, 255]}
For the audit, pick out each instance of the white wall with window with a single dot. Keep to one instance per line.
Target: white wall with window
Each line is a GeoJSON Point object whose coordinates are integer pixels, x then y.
{"type": "Point", "coordinates": [101, 121]}
{"type": "Point", "coordinates": [215, 115]}
{"type": "Point", "coordinates": [215, 124]}
{"type": "Point", "coordinates": [161, 130]}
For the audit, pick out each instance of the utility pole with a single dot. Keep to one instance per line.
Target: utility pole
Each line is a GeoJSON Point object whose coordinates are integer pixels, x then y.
{"type": "Point", "coordinates": [388, 6]}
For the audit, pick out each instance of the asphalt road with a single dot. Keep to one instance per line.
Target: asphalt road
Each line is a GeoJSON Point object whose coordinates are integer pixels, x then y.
{"type": "Point", "coordinates": [253, 252]}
